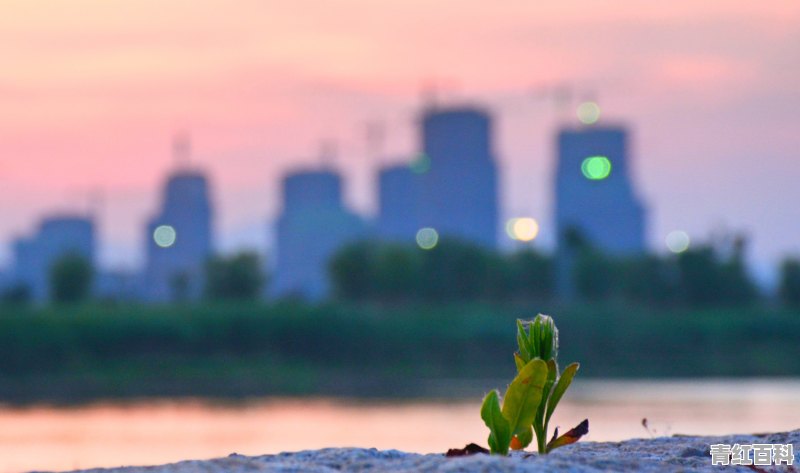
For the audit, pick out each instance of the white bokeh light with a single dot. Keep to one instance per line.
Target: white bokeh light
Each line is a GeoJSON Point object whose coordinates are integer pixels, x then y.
{"type": "Point", "coordinates": [677, 241]}
{"type": "Point", "coordinates": [165, 236]}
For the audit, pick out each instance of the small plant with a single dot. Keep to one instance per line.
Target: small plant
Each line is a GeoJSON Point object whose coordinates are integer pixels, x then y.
{"type": "Point", "coordinates": [533, 395]}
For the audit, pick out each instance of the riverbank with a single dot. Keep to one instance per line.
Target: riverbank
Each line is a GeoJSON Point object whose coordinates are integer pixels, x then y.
{"type": "Point", "coordinates": [661, 454]}
{"type": "Point", "coordinates": [80, 354]}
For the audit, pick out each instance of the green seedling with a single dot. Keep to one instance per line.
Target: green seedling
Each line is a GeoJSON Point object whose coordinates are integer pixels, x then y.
{"type": "Point", "coordinates": [533, 395]}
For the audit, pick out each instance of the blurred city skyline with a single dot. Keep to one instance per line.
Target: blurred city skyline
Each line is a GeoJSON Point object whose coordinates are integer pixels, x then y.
{"type": "Point", "coordinates": [92, 94]}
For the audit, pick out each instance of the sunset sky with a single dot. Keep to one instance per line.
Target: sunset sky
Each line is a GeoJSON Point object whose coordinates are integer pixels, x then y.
{"type": "Point", "coordinates": [92, 91]}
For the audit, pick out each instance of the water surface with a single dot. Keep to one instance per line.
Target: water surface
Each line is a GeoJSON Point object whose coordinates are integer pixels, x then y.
{"type": "Point", "coordinates": [152, 432]}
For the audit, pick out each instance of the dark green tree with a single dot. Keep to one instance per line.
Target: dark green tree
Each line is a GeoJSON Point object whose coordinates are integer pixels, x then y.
{"type": "Point", "coordinates": [455, 271]}
{"type": "Point", "coordinates": [595, 275]}
{"type": "Point", "coordinates": [16, 295]}
{"type": "Point", "coordinates": [396, 271]}
{"type": "Point", "coordinates": [739, 287]}
{"type": "Point", "coordinates": [236, 277]}
{"type": "Point", "coordinates": [351, 271]}
{"type": "Point", "coordinates": [390, 273]}
{"type": "Point", "coordinates": [789, 289]}
{"type": "Point", "coordinates": [715, 275]}
{"type": "Point", "coordinates": [71, 279]}
{"type": "Point", "coordinates": [531, 276]}
{"type": "Point", "coordinates": [648, 279]}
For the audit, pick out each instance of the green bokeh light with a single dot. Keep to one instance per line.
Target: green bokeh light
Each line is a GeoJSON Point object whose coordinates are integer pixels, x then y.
{"type": "Point", "coordinates": [427, 238]}
{"type": "Point", "coordinates": [596, 168]}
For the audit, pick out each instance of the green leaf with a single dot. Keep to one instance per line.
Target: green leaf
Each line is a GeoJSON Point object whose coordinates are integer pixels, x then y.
{"type": "Point", "coordinates": [561, 387]}
{"type": "Point", "coordinates": [522, 341]}
{"type": "Point", "coordinates": [552, 373]}
{"type": "Point", "coordinates": [544, 337]}
{"type": "Point", "coordinates": [499, 430]}
{"type": "Point", "coordinates": [524, 438]}
{"type": "Point", "coordinates": [524, 395]}
{"type": "Point", "coordinates": [546, 332]}
{"type": "Point", "coordinates": [539, 425]}
{"type": "Point", "coordinates": [519, 362]}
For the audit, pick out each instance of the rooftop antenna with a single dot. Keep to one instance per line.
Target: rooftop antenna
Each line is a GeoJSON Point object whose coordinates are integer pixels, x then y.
{"type": "Point", "coordinates": [182, 149]}
{"type": "Point", "coordinates": [435, 91]}
{"type": "Point", "coordinates": [565, 97]}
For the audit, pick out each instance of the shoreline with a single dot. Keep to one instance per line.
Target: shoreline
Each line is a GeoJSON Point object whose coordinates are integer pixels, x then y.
{"type": "Point", "coordinates": [659, 454]}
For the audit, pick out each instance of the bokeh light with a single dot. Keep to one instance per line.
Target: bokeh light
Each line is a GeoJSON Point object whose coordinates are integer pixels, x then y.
{"type": "Point", "coordinates": [427, 238]}
{"type": "Point", "coordinates": [421, 164]}
{"type": "Point", "coordinates": [165, 236]}
{"type": "Point", "coordinates": [510, 228]}
{"type": "Point", "coordinates": [588, 113]}
{"type": "Point", "coordinates": [596, 168]}
{"type": "Point", "coordinates": [677, 241]}
{"type": "Point", "coordinates": [522, 229]}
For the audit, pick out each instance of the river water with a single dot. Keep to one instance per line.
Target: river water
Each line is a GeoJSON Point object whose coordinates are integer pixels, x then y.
{"type": "Point", "coordinates": [152, 432]}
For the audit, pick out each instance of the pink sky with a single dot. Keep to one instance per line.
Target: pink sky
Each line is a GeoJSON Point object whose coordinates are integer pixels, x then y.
{"type": "Point", "coordinates": [91, 92]}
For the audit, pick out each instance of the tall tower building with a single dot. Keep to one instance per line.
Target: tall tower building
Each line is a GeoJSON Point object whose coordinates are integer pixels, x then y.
{"type": "Point", "coordinates": [179, 240]}
{"type": "Point", "coordinates": [594, 196]}
{"type": "Point", "coordinates": [458, 194]}
{"type": "Point", "coordinates": [313, 225]}
{"type": "Point", "coordinates": [398, 202]}
{"type": "Point", "coordinates": [56, 237]}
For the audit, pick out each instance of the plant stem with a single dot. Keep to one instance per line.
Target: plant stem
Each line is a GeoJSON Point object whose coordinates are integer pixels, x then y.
{"type": "Point", "coordinates": [541, 442]}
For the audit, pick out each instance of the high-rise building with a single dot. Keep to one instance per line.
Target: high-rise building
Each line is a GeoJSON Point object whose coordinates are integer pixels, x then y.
{"type": "Point", "coordinates": [398, 202]}
{"type": "Point", "coordinates": [56, 237]}
{"type": "Point", "coordinates": [594, 196]}
{"type": "Point", "coordinates": [5, 280]}
{"type": "Point", "coordinates": [314, 224]}
{"type": "Point", "coordinates": [179, 240]}
{"type": "Point", "coordinates": [458, 196]}
{"type": "Point", "coordinates": [118, 285]}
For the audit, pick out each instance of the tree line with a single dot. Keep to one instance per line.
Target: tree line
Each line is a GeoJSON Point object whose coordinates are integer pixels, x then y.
{"type": "Point", "coordinates": [71, 279]}
{"type": "Point", "coordinates": [707, 275]}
